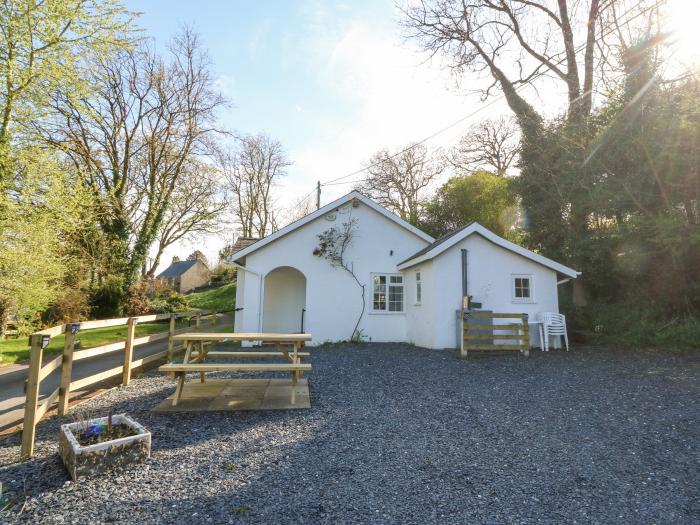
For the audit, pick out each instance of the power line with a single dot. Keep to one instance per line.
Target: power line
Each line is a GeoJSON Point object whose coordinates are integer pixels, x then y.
{"type": "Point", "coordinates": [334, 182]}
{"type": "Point", "coordinates": [435, 134]}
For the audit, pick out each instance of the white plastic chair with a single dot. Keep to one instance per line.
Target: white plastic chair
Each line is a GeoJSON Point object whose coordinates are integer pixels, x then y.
{"type": "Point", "coordinates": [552, 324]}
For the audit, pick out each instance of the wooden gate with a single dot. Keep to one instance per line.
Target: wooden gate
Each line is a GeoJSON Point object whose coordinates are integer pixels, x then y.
{"type": "Point", "coordinates": [503, 336]}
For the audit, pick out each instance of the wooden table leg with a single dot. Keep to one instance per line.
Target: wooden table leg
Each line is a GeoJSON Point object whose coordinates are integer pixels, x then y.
{"type": "Point", "coordinates": [188, 351]}
{"type": "Point", "coordinates": [280, 348]}
{"type": "Point", "coordinates": [294, 387]}
{"type": "Point", "coordinates": [201, 357]}
{"type": "Point", "coordinates": [178, 388]}
{"type": "Point", "coordinates": [297, 358]}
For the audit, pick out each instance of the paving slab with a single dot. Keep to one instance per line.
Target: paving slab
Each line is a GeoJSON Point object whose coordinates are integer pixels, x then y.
{"type": "Point", "coordinates": [238, 394]}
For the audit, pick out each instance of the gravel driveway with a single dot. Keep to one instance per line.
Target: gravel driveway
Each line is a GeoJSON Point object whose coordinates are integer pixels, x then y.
{"type": "Point", "coordinates": [398, 434]}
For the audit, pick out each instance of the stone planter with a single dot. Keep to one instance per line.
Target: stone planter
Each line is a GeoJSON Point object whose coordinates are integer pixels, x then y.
{"type": "Point", "coordinates": [85, 461]}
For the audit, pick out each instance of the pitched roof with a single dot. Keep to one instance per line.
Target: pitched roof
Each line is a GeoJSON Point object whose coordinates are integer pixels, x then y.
{"type": "Point", "coordinates": [438, 242]}
{"type": "Point", "coordinates": [177, 269]}
{"type": "Point", "coordinates": [322, 211]}
{"type": "Point", "coordinates": [442, 244]}
{"type": "Point", "coordinates": [243, 242]}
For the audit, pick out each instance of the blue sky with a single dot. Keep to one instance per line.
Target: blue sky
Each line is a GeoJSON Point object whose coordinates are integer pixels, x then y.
{"type": "Point", "coordinates": [333, 81]}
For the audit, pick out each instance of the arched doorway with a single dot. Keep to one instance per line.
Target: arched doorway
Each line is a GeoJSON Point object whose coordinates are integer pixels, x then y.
{"type": "Point", "coordinates": [285, 300]}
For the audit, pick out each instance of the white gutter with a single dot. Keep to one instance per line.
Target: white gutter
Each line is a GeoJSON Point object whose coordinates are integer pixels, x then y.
{"type": "Point", "coordinates": [260, 286]}
{"type": "Point", "coordinates": [568, 279]}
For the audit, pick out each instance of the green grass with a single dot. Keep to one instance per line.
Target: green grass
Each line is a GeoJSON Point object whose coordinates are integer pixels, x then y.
{"type": "Point", "coordinates": [214, 300]}
{"type": "Point", "coordinates": [17, 350]}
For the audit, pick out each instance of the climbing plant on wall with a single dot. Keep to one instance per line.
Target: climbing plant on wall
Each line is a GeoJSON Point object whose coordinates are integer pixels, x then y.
{"type": "Point", "coordinates": [332, 246]}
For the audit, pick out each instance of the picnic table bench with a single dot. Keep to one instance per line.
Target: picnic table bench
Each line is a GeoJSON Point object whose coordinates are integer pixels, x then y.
{"type": "Point", "coordinates": [197, 349]}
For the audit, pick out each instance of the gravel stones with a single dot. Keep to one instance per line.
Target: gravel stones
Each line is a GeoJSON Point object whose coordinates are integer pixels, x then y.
{"type": "Point", "coordinates": [398, 434]}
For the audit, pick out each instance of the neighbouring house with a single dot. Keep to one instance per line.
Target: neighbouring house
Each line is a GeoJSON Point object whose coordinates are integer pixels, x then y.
{"type": "Point", "coordinates": [414, 284]}
{"type": "Point", "coordinates": [184, 276]}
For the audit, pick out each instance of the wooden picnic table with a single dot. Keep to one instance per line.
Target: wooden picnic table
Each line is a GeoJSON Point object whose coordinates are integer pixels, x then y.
{"type": "Point", "coordinates": [197, 349]}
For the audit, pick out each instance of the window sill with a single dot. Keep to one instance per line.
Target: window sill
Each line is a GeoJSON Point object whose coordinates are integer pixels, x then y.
{"type": "Point", "coordinates": [377, 312]}
{"type": "Point", "coordinates": [523, 301]}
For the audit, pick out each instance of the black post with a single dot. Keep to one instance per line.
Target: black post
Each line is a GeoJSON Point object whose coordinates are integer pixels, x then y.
{"type": "Point", "coordinates": [465, 282]}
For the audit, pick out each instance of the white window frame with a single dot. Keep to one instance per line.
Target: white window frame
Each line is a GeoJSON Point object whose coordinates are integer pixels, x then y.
{"type": "Point", "coordinates": [528, 276]}
{"type": "Point", "coordinates": [386, 310]}
{"type": "Point", "coordinates": [419, 289]}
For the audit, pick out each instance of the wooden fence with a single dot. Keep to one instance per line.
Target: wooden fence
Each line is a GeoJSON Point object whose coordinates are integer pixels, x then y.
{"type": "Point", "coordinates": [480, 334]}
{"type": "Point", "coordinates": [35, 409]}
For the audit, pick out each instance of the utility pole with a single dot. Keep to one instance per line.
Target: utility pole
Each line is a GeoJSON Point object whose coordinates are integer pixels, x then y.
{"type": "Point", "coordinates": [318, 195]}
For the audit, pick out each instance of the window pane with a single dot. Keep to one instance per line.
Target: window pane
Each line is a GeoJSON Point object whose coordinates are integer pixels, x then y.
{"type": "Point", "coordinates": [379, 295]}
{"type": "Point", "coordinates": [396, 298]}
{"type": "Point", "coordinates": [419, 292]}
{"type": "Point", "coordinates": [521, 288]}
{"type": "Point", "coordinates": [396, 279]}
{"type": "Point", "coordinates": [417, 276]}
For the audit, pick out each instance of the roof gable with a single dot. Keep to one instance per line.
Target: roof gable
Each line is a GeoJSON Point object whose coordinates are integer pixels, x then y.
{"type": "Point", "coordinates": [446, 242]}
{"type": "Point", "coordinates": [320, 213]}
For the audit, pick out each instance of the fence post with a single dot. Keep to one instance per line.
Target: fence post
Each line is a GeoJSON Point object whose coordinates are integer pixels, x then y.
{"type": "Point", "coordinates": [129, 349]}
{"type": "Point", "coordinates": [67, 367]}
{"type": "Point", "coordinates": [213, 319]}
{"type": "Point", "coordinates": [197, 319]}
{"type": "Point", "coordinates": [465, 307]}
{"type": "Point", "coordinates": [526, 335]}
{"type": "Point", "coordinates": [30, 406]}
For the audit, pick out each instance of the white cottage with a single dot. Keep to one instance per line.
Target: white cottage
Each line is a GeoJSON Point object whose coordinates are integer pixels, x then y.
{"type": "Point", "coordinates": [413, 283]}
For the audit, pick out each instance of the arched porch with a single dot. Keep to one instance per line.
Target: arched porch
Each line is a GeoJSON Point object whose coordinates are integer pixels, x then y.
{"type": "Point", "coordinates": [284, 301]}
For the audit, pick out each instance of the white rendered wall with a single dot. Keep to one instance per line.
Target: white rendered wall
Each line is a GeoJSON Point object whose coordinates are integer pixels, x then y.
{"type": "Point", "coordinates": [333, 299]}
{"type": "Point", "coordinates": [420, 317]}
{"type": "Point", "coordinates": [490, 270]}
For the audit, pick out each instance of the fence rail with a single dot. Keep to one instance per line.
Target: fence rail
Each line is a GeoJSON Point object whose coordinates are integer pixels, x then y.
{"type": "Point", "coordinates": [478, 334]}
{"type": "Point", "coordinates": [35, 409]}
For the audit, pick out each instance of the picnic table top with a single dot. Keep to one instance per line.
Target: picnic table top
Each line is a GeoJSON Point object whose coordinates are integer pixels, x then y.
{"type": "Point", "coordinates": [242, 336]}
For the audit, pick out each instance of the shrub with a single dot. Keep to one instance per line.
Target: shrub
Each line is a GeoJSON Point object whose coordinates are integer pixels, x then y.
{"type": "Point", "coordinates": [223, 273]}
{"type": "Point", "coordinates": [632, 325]}
{"type": "Point", "coordinates": [72, 305]}
{"type": "Point", "coordinates": [159, 306]}
{"type": "Point", "coordinates": [106, 299]}
{"type": "Point", "coordinates": [178, 302]}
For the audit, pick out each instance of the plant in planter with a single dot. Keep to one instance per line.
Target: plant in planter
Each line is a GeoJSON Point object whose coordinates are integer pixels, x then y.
{"type": "Point", "coordinates": [97, 445]}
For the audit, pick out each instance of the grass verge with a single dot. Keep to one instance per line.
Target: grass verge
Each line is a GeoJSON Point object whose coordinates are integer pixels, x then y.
{"type": "Point", "coordinates": [17, 350]}
{"type": "Point", "coordinates": [214, 300]}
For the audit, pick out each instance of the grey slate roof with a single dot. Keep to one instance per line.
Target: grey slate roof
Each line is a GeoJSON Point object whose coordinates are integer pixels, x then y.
{"type": "Point", "coordinates": [177, 269]}
{"type": "Point", "coordinates": [437, 242]}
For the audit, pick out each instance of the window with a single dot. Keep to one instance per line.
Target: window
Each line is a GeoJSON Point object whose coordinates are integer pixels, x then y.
{"type": "Point", "coordinates": [419, 289]}
{"type": "Point", "coordinates": [387, 293]}
{"type": "Point", "coordinates": [522, 289]}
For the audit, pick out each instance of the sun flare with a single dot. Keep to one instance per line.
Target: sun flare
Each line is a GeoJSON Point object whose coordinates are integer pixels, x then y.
{"type": "Point", "coordinates": [683, 24]}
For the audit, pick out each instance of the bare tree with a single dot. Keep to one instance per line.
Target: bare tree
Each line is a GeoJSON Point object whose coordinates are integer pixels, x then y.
{"type": "Point", "coordinates": [399, 181]}
{"type": "Point", "coordinates": [297, 210]}
{"type": "Point", "coordinates": [515, 42]}
{"type": "Point", "coordinates": [135, 139]}
{"type": "Point", "coordinates": [196, 208]}
{"type": "Point", "coordinates": [491, 145]}
{"type": "Point", "coordinates": [252, 171]}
